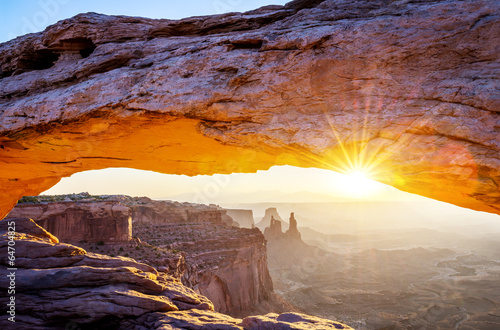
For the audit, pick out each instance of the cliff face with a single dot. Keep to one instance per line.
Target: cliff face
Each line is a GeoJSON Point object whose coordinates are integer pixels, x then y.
{"type": "Point", "coordinates": [63, 286]}
{"type": "Point", "coordinates": [106, 221]}
{"type": "Point", "coordinates": [405, 89]}
{"type": "Point", "coordinates": [231, 269]}
{"type": "Point", "coordinates": [225, 263]}
{"type": "Point", "coordinates": [163, 212]}
{"type": "Point", "coordinates": [243, 217]}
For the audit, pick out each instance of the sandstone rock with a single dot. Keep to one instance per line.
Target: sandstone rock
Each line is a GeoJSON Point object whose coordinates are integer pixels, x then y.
{"type": "Point", "coordinates": [224, 263]}
{"type": "Point", "coordinates": [274, 231]}
{"type": "Point", "coordinates": [243, 217]}
{"type": "Point", "coordinates": [271, 212]}
{"type": "Point", "coordinates": [191, 319]}
{"type": "Point", "coordinates": [59, 282]}
{"type": "Point", "coordinates": [228, 265]}
{"type": "Point", "coordinates": [95, 291]}
{"type": "Point", "coordinates": [407, 90]}
{"type": "Point", "coordinates": [27, 226]}
{"type": "Point", "coordinates": [290, 321]}
{"type": "Point", "coordinates": [163, 212]}
{"type": "Point", "coordinates": [80, 221]}
{"type": "Point", "coordinates": [293, 231]}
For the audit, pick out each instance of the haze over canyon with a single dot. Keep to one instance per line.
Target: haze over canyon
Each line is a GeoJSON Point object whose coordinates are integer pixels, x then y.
{"type": "Point", "coordinates": [317, 98]}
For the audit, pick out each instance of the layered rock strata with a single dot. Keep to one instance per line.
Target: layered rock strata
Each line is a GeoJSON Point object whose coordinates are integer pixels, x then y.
{"type": "Point", "coordinates": [161, 212]}
{"type": "Point", "coordinates": [90, 221]}
{"type": "Point", "coordinates": [406, 90]}
{"type": "Point", "coordinates": [225, 263]}
{"type": "Point", "coordinates": [62, 286]}
{"type": "Point", "coordinates": [192, 242]}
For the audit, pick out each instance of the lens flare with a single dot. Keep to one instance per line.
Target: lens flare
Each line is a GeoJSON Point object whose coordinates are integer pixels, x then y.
{"type": "Point", "coordinates": [357, 184]}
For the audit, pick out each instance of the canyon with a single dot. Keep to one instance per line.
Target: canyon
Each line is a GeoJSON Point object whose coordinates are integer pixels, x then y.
{"type": "Point", "coordinates": [62, 286]}
{"type": "Point", "coordinates": [82, 221]}
{"type": "Point", "coordinates": [406, 90]}
{"type": "Point", "coordinates": [194, 243]}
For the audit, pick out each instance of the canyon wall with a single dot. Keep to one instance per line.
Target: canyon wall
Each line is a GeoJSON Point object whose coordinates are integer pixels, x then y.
{"type": "Point", "coordinates": [224, 263]}
{"type": "Point", "coordinates": [405, 90]}
{"type": "Point", "coordinates": [59, 285]}
{"type": "Point", "coordinates": [243, 217]}
{"type": "Point", "coordinates": [231, 269]}
{"type": "Point", "coordinates": [162, 212]}
{"type": "Point", "coordinates": [106, 221]}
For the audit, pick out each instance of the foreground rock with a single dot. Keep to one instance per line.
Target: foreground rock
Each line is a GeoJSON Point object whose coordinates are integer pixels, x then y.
{"type": "Point", "coordinates": [194, 243]}
{"type": "Point", "coordinates": [60, 285]}
{"type": "Point", "coordinates": [92, 221]}
{"type": "Point", "coordinates": [57, 283]}
{"type": "Point", "coordinates": [407, 90]}
{"type": "Point", "coordinates": [223, 262]}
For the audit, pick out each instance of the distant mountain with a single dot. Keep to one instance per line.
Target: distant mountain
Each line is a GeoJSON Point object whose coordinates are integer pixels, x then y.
{"type": "Point", "coordinates": [266, 220]}
{"type": "Point", "coordinates": [261, 196]}
{"type": "Point", "coordinates": [372, 216]}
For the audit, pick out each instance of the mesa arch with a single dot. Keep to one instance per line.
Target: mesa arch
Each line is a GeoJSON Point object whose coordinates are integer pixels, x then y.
{"type": "Point", "coordinates": [410, 90]}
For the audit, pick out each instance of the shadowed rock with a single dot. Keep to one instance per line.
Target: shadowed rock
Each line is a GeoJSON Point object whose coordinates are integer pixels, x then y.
{"type": "Point", "coordinates": [405, 89]}
{"type": "Point", "coordinates": [69, 287]}
{"type": "Point", "coordinates": [82, 221]}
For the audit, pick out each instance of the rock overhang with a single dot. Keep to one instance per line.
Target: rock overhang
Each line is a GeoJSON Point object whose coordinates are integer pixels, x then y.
{"type": "Point", "coordinates": [407, 90]}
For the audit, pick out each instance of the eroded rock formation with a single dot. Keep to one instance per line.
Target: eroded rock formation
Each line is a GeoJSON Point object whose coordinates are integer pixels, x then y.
{"type": "Point", "coordinates": [63, 286]}
{"type": "Point", "coordinates": [189, 241]}
{"type": "Point", "coordinates": [163, 212]}
{"type": "Point", "coordinates": [293, 231]}
{"type": "Point", "coordinates": [274, 231]}
{"type": "Point", "coordinates": [405, 89]}
{"type": "Point", "coordinates": [58, 282]}
{"type": "Point", "coordinates": [225, 263]}
{"type": "Point", "coordinates": [107, 221]}
{"type": "Point", "coordinates": [270, 214]}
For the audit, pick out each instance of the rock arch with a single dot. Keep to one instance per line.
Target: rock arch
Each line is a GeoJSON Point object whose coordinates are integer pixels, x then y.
{"type": "Point", "coordinates": [408, 90]}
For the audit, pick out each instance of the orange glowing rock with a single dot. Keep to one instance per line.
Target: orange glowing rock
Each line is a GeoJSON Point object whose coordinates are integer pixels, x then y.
{"type": "Point", "coordinates": [410, 97]}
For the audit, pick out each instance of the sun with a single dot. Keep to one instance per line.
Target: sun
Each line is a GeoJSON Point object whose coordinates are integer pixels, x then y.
{"type": "Point", "coordinates": [357, 184]}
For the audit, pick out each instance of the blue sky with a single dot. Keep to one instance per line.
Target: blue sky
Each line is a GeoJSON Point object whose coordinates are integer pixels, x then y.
{"type": "Point", "coordinates": [21, 17]}
{"type": "Point", "coordinates": [18, 17]}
